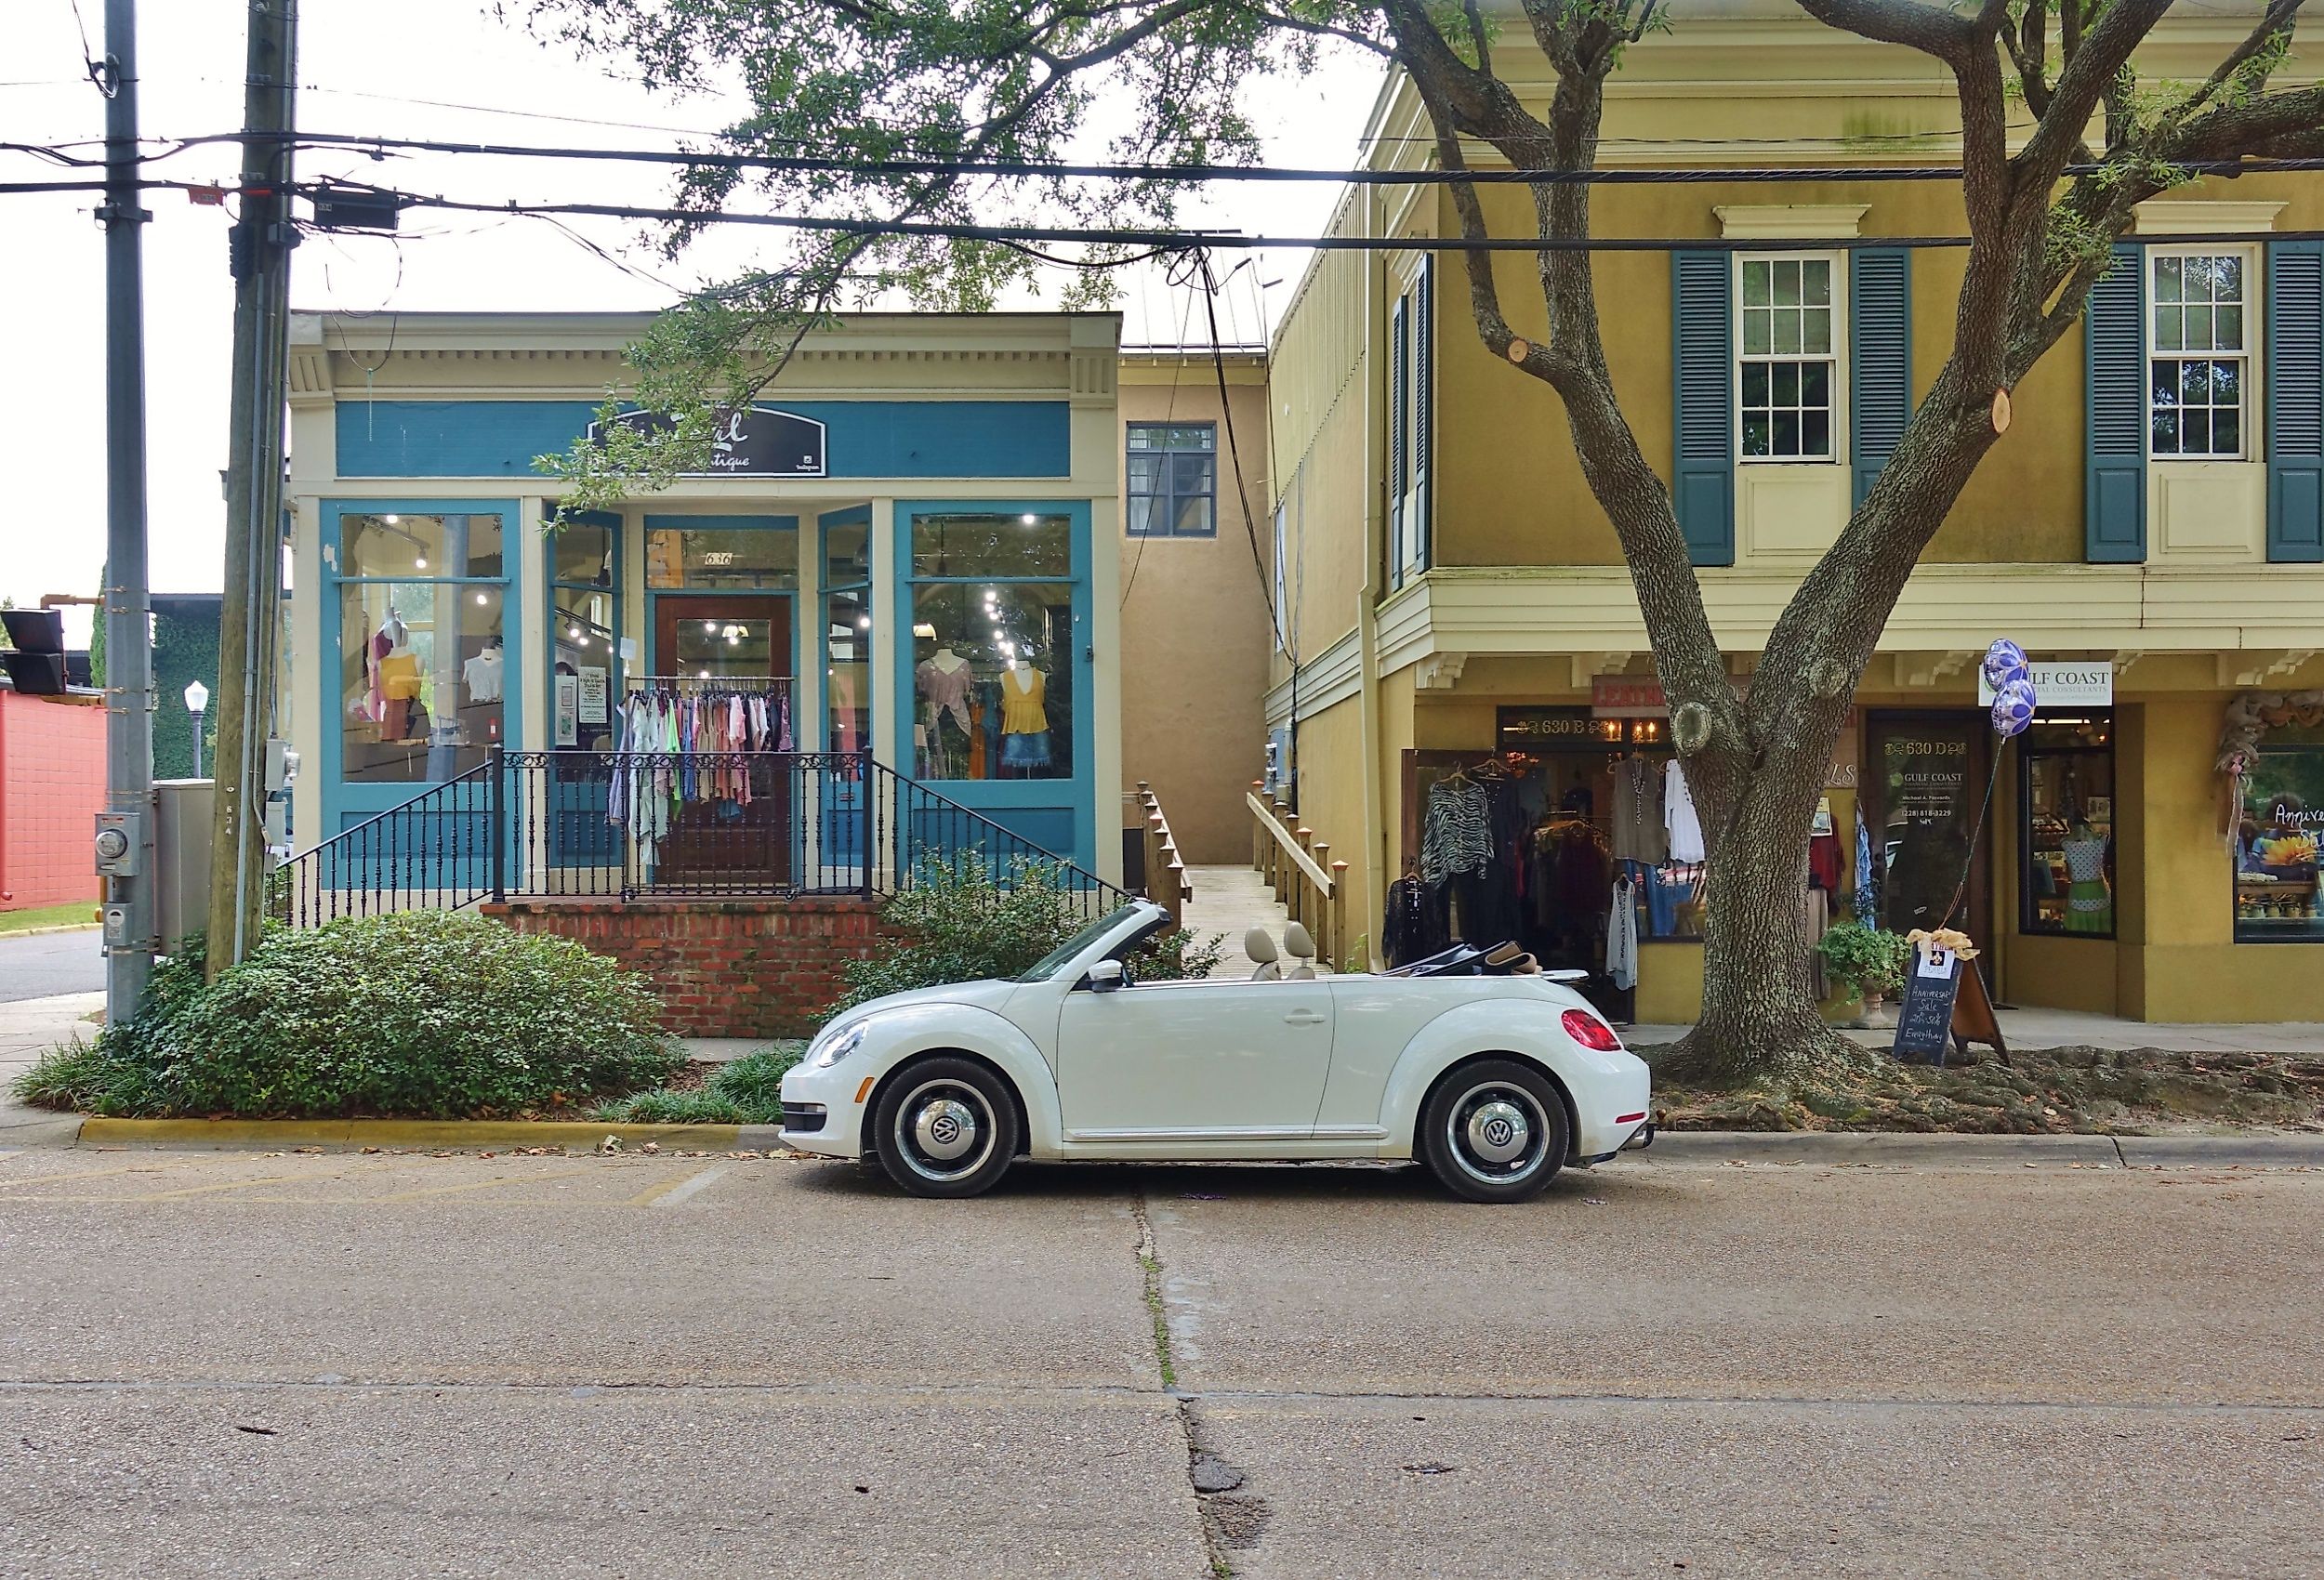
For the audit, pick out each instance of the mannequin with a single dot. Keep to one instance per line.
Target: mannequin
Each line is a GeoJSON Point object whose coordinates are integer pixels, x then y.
{"type": "Point", "coordinates": [944, 680]}
{"type": "Point", "coordinates": [1023, 718]}
{"type": "Point", "coordinates": [482, 674]}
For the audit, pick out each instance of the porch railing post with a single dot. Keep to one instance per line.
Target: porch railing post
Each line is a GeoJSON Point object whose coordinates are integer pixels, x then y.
{"type": "Point", "coordinates": [496, 822]}
{"type": "Point", "coordinates": [870, 835]}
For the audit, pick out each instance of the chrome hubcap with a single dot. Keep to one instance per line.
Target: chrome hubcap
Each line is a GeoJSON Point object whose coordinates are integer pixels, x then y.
{"type": "Point", "coordinates": [1498, 1132]}
{"type": "Point", "coordinates": [945, 1129]}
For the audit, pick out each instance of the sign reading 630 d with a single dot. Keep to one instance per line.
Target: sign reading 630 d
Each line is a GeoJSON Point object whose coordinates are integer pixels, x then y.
{"type": "Point", "coordinates": [759, 443]}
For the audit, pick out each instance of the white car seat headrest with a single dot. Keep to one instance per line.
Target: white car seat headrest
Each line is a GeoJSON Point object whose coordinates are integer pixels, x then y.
{"type": "Point", "coordinates": [1299, 943]}
{"type": "Point", "coordinates": [1260, 944]}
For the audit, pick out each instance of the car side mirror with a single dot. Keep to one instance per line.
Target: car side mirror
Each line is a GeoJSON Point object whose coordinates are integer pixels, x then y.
{"type": "Point", "coordinates": [1105, 977]}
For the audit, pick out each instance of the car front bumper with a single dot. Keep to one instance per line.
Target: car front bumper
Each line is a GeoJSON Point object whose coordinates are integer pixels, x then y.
{"type": "Point", "coordinates": [823, 1111]}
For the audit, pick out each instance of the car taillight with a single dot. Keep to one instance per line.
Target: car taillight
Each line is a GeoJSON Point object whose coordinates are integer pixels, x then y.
{"type": "Point", "coordinates": [1591, 1031]}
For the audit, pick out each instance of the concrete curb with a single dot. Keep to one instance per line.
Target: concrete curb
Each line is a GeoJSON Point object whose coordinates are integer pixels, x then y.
{"type": "Point", "coordinates": [44, 932]}
{"type": "Point", "coordinates": [1908, 1150]}
{"type": "Point", "coordinates": [412, 1135]}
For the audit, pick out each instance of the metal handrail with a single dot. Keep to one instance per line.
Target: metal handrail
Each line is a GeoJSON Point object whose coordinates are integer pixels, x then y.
{"type": "Point", "coordinates": [754, 824]}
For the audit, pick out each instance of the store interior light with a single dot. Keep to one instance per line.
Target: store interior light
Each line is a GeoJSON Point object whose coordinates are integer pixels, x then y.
{"type": "Point", "coordinates": [710, 626]}
{"type": "Point", "coordinates": [481, 597]}
{"type": "Point", "coordinates": [863, 622]}
{"type": "Point", "coordinates": [924, 631]}
{"type": "Point", "coordinates": [420, 563]}
{"type": "Point", "coordinates": [391, 518]}
{"type": "Point", "coordinates": [1030, 520]}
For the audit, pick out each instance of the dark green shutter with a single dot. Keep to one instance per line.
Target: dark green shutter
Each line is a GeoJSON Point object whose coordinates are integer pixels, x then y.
{"type": "Point", "coordinates": [1398, 328]}
{"type": "Point", "coordinates": [1423, 410]}
{"type": "Point", "coordinates": [1702, 331]}
{"type": "Point", "coordinates": [2114, 362]}
{"type": "Point", "coordinates": [2295, 401]}
{"type": "Point", "coordinates": [1880, 369]}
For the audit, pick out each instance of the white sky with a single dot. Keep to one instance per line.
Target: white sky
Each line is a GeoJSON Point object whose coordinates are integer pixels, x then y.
{"type": "Point", "coordinates": [362, 78]}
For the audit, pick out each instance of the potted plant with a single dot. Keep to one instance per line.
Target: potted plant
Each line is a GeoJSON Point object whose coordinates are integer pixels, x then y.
{"type": "Point", "coordinates": [1869, 960]}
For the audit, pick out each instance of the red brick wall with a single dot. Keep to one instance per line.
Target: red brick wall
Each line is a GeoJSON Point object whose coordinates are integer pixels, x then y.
{"type": "Point", "coordinates": [52, 787]}
{"type": "Point", "coordinates": [725, 968]}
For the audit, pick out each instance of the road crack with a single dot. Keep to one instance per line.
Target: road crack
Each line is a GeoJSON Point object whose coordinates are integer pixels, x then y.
{"type": "Point", "coordinates": [1231, 1519]}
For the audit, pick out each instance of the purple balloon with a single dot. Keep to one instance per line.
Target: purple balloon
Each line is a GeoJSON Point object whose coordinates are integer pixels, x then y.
{"type": "Point", "coordinates": [2004, 662]}
{"type": "Point", "coordinates": [2013, 707]}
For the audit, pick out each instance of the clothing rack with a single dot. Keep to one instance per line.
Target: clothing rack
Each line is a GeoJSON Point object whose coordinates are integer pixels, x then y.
{"type": "Point", "coordinates": [705, 682]}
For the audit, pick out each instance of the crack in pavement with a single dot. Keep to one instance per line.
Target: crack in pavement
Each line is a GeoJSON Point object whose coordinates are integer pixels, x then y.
{"type": "Point", "coordinates": [1228, 1520]}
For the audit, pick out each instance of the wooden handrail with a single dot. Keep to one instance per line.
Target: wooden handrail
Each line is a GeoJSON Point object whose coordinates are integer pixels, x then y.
{"type": "Point", "coordinates": [1166, 883]}
{"type": "Point", "coordinates": [1298, 867]}
{"type": "Point", "coordinates": [1290, 843]}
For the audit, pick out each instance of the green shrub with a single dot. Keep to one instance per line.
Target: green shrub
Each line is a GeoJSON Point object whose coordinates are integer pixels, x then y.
{"type": "Point", "coordinates": [1866, 959]}
{"type": "Point", "coordinates": [962, 925]}
{"type": "Point", "coordinates": [81, 1077]}
{"type": "Point", "coordinates": [746, 1091]}
{"type": "Point", "coordinates": [423, 1014]}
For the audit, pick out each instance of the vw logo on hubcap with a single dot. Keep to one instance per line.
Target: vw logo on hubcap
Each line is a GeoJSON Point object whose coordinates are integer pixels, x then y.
{"type": "Point", "coordinates": [944, 1129]}
{"type": "Point", "coordinates": [1498, 1131]}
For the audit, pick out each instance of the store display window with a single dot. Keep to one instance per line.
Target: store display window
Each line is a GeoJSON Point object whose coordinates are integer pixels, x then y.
{"type": "Point", "coordinates": [585, 625]}
{"type": "Point", "coordinates": [2066, 838]}
{"type": "Point", "coordinates": [848, 636]}
{"type": "Point", "coordinates": [2274, 847]}
{"type": "Point", "coordinates": [422, 663]}
{"type": "Point", "coordinates": [722, 554]}
{"type": "Point", "coordinates": [992, 614]}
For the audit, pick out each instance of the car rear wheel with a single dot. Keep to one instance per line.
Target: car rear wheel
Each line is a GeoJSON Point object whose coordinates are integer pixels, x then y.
{"type": "Point", "coordinates": [945, 1127]}
{"type": "Point", "coordinates": [1494, 1131]}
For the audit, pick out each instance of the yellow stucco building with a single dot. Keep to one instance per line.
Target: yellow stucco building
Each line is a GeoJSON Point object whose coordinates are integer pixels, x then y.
{"type": "Point", "coordinates": [1457, 605]}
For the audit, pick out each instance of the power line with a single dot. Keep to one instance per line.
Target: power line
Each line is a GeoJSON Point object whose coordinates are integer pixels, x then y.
{"type": "Point", "coordinates": [1054, 170]}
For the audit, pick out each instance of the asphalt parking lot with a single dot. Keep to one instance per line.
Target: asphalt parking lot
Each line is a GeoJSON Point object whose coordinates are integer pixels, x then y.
{"type": "Point", "coordinates": [689, 1366]}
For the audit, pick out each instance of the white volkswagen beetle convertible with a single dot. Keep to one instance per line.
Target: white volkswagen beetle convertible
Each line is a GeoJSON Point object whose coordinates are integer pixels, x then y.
{"type": "Point", "coordinates": [1496, 1079]}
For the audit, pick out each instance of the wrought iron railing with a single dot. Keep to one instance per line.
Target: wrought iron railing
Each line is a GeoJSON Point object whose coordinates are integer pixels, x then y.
{"type": "Point", "coordinates": [637, 824]}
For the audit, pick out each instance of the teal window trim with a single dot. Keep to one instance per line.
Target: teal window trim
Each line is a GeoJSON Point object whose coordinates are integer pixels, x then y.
{"type": "Point", "coordinates": [342, 800]}
{"type": "Point", "coordinates": [995, 797]}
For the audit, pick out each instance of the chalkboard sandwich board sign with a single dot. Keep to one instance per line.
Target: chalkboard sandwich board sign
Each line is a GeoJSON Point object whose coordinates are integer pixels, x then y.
{"type": "Point", "coordinates": [1924, 1021]}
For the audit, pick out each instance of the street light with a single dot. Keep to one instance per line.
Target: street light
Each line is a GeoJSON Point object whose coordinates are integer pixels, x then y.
{"type": "Point", "coordinates": [197, 699]}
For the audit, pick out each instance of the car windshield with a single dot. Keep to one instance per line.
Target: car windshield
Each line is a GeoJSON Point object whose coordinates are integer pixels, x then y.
{"type": "Point", "coordinates": [1047, 965]}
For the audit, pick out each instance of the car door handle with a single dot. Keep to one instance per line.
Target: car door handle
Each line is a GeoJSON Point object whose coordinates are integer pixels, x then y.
{"type": "Point", "coordinates": [1304, 1018]}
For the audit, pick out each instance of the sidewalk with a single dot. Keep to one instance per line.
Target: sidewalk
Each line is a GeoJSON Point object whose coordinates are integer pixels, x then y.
{"type": "Point", "coordinates": [28, 1027]}
{"type": "Point", "coordinates": [2035, 1028]}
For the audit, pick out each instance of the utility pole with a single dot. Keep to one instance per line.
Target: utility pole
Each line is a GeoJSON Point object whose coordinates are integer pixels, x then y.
{"type": "Point", "coordinates": [125, 837]}
{"type": "Point", "coordinates": [251, 610]}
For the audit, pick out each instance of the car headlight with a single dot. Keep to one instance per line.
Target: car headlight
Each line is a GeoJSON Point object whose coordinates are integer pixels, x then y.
{"type": "Point", "coordinates": [829, 1051]}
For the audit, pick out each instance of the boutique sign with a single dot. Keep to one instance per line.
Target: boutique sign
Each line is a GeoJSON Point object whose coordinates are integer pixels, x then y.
{"type": "Point", "coordinates": [2077, 683]}
{"type": "Point", "coordinates": [759, 443]}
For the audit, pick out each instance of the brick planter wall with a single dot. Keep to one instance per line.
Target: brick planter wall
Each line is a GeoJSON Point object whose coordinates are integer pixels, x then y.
{"type": "Point", "coordinates": [725, 968]}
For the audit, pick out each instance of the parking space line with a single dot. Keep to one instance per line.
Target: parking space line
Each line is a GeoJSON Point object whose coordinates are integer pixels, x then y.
{"type": "Point", "coordinates": [671, 1192]}
{"type": "Point", "coordinates": [208, 1189]}
{"type": "Point", "coordinates": [91, 1174]}
{"type": "Point", "coordinates": [476, 1185]}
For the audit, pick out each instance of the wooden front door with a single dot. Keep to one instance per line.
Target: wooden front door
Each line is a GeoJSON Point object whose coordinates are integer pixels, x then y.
{"type": "Point", "coordinates": [1925, 776]}
{"type": "Point", "coordinates": [724, 842]}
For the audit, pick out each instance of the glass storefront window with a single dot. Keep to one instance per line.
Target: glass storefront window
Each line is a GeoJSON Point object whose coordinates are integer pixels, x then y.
{"type": "Point", "coordinates": [992, 668]}
{"type": "Point", "coordinates": [698, 559]}
{"type": "Point", "coordinates": [847, 555]}
{"type": "Point", "coordinates": [2275, 896]}
{"type": "Point", "coordinates": [1003, 543]}
{"type": "Point", "coordinates": [2066, 836]}
{"type": "Point", "coordinates": [847, 670]}
{"type": "Point", "coordinates": [422, 679]}
{"type": "Point", "coordinates": [582, 675]}
{"type": "Point", "coordinates": [582, 555]}
{"type": "Point", "coordinates": [421, 548]}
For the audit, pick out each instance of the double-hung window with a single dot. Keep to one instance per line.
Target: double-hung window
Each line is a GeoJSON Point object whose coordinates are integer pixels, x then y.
{"type": "Point", "coordinates": [1789, 315]}
{"type": "Point", "coordinates": [1173, 480]}
{"type": "Point", "coordinates": [2198, 354]}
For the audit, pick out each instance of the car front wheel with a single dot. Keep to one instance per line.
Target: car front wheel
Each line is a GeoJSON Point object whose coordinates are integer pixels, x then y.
{"type": "Point", "coordinates": [945, 1127]}
{"type": "Point", "coordinates": [1494, 1131]}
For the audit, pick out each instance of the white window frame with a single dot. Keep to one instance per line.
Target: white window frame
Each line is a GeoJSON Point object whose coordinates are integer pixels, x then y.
{"type": "Point", "coordinates": [2254, 334]}
{"type": "Point", "coordinates": [1841, 340]}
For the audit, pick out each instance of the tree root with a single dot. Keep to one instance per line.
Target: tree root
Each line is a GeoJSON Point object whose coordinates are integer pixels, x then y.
{"type": "Point", "coordinates": [1719, 1056]}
